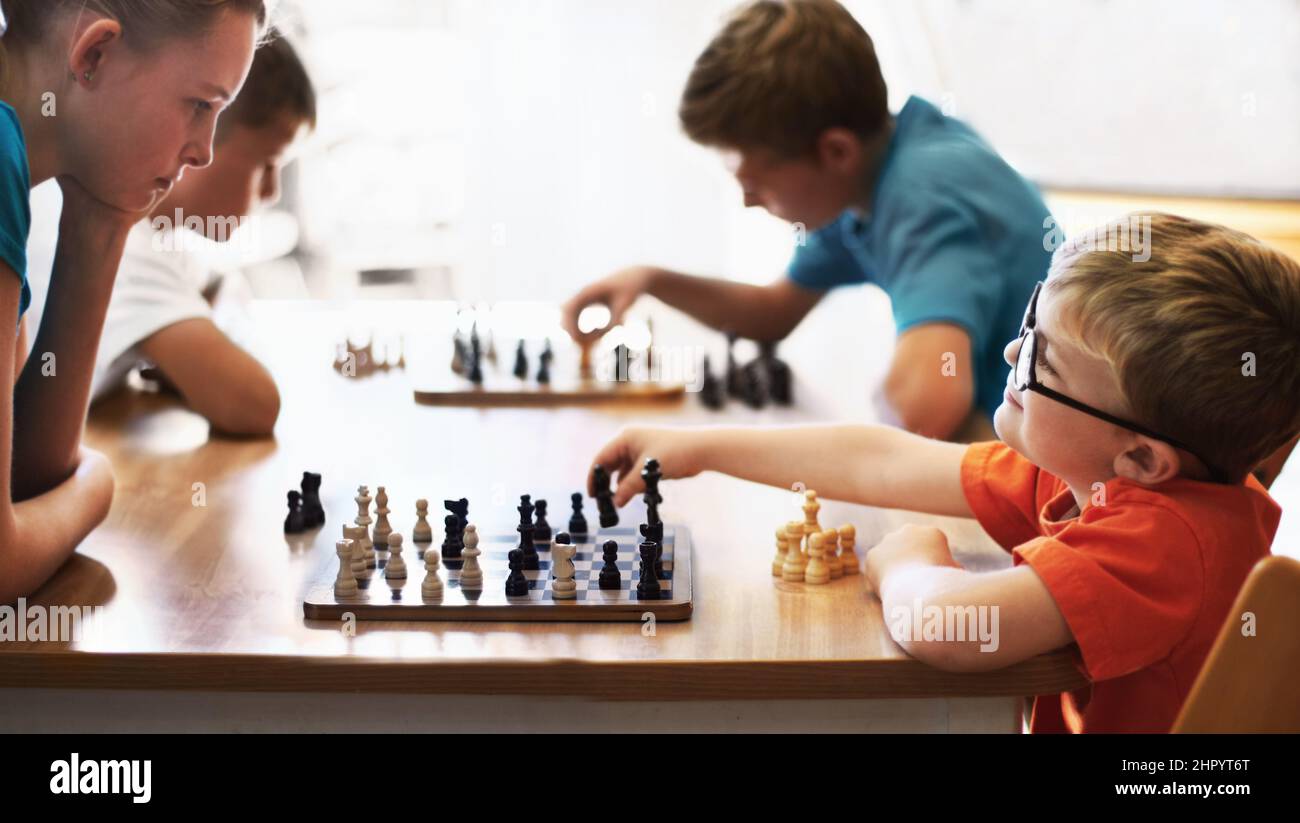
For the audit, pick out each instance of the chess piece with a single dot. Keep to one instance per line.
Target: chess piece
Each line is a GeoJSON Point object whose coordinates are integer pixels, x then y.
{"type": "Point", "coordinates": [778, 562]}
{"type": "Point", "coordinates": [654, 532]}
{"type": "Point", "coordinates": [735, 382]}
{"type": "Point", "coordinates": [610, 577]}
{"type": "Point", "coordinates": [353, 534]}
{"type": "Point", "coordinates": [810, 509]}
{"type": "Point", "coordinates": [816, 572]}
{"type": "Point", "coordinates": [604, 498]}
{"type": "Point", "coordinates": [422, 533]}
{"type": "Point", "coordinates": [475, 374]}
{"type": "Point", "coordinates": [544, 370]}
{"type": "Point", "coordinates": [577, 521]}
{"type": "Point", "coordinates": [541, 528]}
{"type": "Point", "coordinates": [562, 551]}
{"type": "Point", "coordinates": [779, 377]}
{"type": "Point", "coordinates": [651, 474]}
{"type": "Point", "coordinates": [525, 529]}
{"type": "Point", "coordinates": [396, 569]}
{"type": "Point", "coordinates": [363, 519]}
{"type": "Point", "coordinates": [451, 545]}
{"type": "Point", "coordinates": [848, 559]}
{"type": "Point", "coordinates": [830, 542]}
{"type": "Point", "coordinates": [431, 588]}
{"type": "Point", "coordinates": [516, 583]}
{"type": "Point", "coordinates": [795, 561]}
{"type": "Point", "coordinates": [521, 362]}
{"type": "Point", "coordinates": [622, 363]}
{"type": "Point", "coordinates": [647, 587]}
{"type": "Point", "coordinates": [312, 511]}
{"type": "Point", "coordinates": [711, 389]}
{"type": "Point", "coordinates": [345, 584]}
{"type": "Point", "coordinates": [457, 355]}
{"type": "Point", "coordinates": [471, 575]}
{"type": "Point", "coordinates": [382, 527]}
{"type": "Point", "coordinates": [295, 523]}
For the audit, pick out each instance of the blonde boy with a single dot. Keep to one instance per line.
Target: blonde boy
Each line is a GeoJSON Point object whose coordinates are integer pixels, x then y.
{"type": "Point", "coordinates": [1141, 394]}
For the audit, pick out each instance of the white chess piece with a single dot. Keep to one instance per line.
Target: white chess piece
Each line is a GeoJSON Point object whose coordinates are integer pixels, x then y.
{"type": "Point", "coordinates": [353, 535]}
{"type": "Point", "coordinates": [345, 585]}
{"type": "Point", "coordinates": [396, 568]}
{"type": "Point", "coordinates": [562, 567]}
{"type": "Point", "coordinates": [432, 585]}
{"type": "Point", "coordinates": [422, 533]}
{"type": "Point", "coordinates": [382, 527]}
{"type": "Point", "coordinates": [848, 558]}
{"type": "Point", "coordinates": [816, 572]}
{"type": "Point", "coordinates": [363, 520]}
{"type": "Point", "coordinates": [471, 576]}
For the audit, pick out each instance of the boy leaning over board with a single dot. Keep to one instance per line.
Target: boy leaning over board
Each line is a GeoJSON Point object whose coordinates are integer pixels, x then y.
{"type": "Point", "coordinates": [914, 202]}
{"type": "Point", "coordinates": [1140, 395]}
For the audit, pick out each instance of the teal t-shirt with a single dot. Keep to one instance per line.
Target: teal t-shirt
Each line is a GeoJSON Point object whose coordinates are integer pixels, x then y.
{"type": "Point", "coordinates": [15, 203]}
{"type": "Point", "coordinates": [954, 235]}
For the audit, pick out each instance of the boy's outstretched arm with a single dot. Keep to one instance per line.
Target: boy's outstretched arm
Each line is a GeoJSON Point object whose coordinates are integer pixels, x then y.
{"type": "Point", "coordinates": [1006, 616]}
{"type": "Point", "coordinates": [38, 534]}
{"type": "Point", "coordinates": [768, 312]}
{"type": "Point", "coordinates": [872, 465]}
{"type": "Point", "coordinates": [217, 378]}
{"type": "Point", "coordinates": [931, 382]}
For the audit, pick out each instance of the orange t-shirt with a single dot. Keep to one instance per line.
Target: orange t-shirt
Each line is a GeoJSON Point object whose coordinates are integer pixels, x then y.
{"type": "Point", "coordinates": [1145, 578]}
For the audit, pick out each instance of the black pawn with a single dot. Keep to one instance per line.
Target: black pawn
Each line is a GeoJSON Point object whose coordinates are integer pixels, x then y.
{"type": "Point", "coordinates": [475, 374]}
{"type": "Point", "coordinates": [780, 379]}
{"type": "Point", "coordinates": [313, 514]}
{"type": "Point", "coordinates": [521, 362]}
{"type": "Point", "coordinates": [516, 583]}
{"type": "Point", "coordinates": [451, 544]}
{"type": "Point", "coordinates": [604, 498]}
{"type": "Point", "coordinates": [647, 588]}
{"type": "Point", "coordinates": [544, 370]}
{"type": "Point", "coordinates": [541, 528]}
{"type": "Point", "coordinates": [610, 577]}
{"type": "Point", "coordinates": [293, 523]}
{"type": "Point", "coordinates": [622, 363]}
{"type": "Point", "coordinates": [577, 522]}
{"type": "Point", "coordinates": [735, 383]}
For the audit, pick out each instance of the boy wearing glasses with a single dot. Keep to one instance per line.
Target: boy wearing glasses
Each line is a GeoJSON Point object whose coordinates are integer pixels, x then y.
{"type": "Point", "coordinates": [1141, 394]}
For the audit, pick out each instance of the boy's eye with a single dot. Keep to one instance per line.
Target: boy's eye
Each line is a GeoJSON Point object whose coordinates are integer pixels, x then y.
{"type": "Point", "coordinates": [202, 106]}
{"type": "Point", "coordinates": [1044, 365]}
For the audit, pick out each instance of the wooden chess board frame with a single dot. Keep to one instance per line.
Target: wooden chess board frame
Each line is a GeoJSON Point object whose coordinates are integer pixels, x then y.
{"type": "Point", "coordinates": [507, 390]}
{"type": "Point", "coordinates": [383, 599]}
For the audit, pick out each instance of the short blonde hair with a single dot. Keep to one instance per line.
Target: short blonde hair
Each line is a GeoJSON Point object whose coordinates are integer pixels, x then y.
{"type": "Point", "coordinates": [1202, 328]}
{"type": "Point", "coordinates": [779, 74]}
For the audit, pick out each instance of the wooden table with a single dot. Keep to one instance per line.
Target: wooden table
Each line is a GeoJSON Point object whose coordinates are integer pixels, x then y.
{"type": "Point", "coordinates": [202, 626]}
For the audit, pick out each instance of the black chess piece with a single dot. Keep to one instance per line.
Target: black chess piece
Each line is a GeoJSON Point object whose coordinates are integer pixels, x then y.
{"type": "Point", "coordinates": [516, 583]}
{"type": "Point", "coordinates": [651, 475]}
{"type": "Point", "coordinates": [460, 508]}
{"type": "Point", "coordinates": [313, 514]}
{"type": "Point", "coordinates": [622, 363]}
{"type": "Point", "coordinates": [475, 374]}
{"type": "Point", "coordinates": [735, 383]}
{"type": "Point", "coordinates": [753, 384]}
{"type": "Point", "coordinates": [521, 362]}
{"type": "Point", "coordinates": [459, 355]}
{"type": "Point", "coordinates": [654, 532]}
{"type": "Point", "coordinates": [525, 529]}
{"type": "Point", "coordinates": [541, 528]}
{"type": "Point", "coordinates": [610, 576]}
{"type": "Point", "coordinates": [711, 393]}
{"type": "Point", "coordinates": [544, 369]}
{"type": "Point", "coordinates": [604, 498]}
{"type": "Point", "coordinates": [294, 523]}
{"type": "Point", "coordinates": [780, 379]}
{"type": "Point", "coordinates": [577, 522]}
{"type": "Point", "coordinates": [452, 544]}
{"type": "Point", "coordinates": [647, 587]}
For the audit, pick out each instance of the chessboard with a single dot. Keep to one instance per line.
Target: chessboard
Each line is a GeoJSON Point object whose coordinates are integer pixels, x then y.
{"type": "Point", "coordinates": [380, 598]}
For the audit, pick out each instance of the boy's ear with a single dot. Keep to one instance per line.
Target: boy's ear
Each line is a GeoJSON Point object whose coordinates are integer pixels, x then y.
{"type": "Point", "coordinates": [839, 150]}
{"type": "Point", "coordinates": [89, 46]}
{"type": "Point", "coordinates": [1148, 461]}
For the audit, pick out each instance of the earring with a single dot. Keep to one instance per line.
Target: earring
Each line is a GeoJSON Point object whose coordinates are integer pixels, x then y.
{"type": "Point", "coordinates": [88, 76]}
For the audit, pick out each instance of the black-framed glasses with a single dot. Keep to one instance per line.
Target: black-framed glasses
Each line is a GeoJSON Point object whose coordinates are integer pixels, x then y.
{"type": "Point", "coordinates": [1026, 378]}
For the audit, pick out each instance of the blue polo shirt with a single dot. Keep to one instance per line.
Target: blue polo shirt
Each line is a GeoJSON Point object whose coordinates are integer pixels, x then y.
{"type": "Point", "coordinates": [15, 204]}
{"type": "Point", "coordinates": [954, 235]}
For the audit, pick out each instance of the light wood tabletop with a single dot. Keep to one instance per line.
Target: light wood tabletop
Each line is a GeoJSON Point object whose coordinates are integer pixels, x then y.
{"type": "Point", "coordinates": [201, 590]}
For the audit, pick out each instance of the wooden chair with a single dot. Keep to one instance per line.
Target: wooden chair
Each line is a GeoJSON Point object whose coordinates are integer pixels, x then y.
{"type": "Point", "coordinates": [1250, 684]}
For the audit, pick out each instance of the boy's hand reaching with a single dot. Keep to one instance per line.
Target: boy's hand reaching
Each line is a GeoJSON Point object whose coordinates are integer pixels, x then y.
{"type": "Point", "coordinates": [618, 291]}
{"type": "Point", "coordinates": [678, 453]}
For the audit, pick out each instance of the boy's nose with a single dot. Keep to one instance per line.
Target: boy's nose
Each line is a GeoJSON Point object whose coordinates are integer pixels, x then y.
{"type": "Point", "coordinates": [1011, 352]}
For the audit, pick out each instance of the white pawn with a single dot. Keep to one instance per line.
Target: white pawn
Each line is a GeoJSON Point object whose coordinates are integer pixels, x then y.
{"type": "Point", "coordinates": [848, 558]}
{"type": "Point", "coordinates": [562, 567]}
{"type": "Point", "coordinates": [345, 585]}
{"type": "Point", "coordinates": [422, 533]}
{"type": "Point", "coordinates": [431, 588]}
{"type": "Point", "coordinates": [816, 572]}
{"type": "Point", "coordinates": [396, 568]}
{"type": "Point", "coordinates": [830, 542]}
{"type": "Point", "coordinates": [471, 576]}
